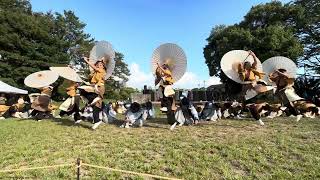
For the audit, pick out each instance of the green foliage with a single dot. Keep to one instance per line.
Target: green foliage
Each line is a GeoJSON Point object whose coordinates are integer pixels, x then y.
{"type": "Point", "coordinates": [26, 44]}
{"type": "Point", "coordinates": [120, 74]}
{"type": "Point", "coordinates": [30, 42]}
{"type": "Point", "coordinates": [307, 87]}
{"type": "Point", "coordinates": [123, 93]}
{"type": "Point", "coordinates": [16, 5]}
{"type": "Point", "coordinates": [71, 30]}
{"type": "Point", "coordinates": [222, 40]}
{"type": "Point", "coordinates": [268, 29]}
{"type": "Point", "coordinates": [273, 13]}
{"type": "Point", "coordinates": [121, 70]}
{"type": "Point", "coordinates": [301, 16]}
{"type": "Point", "coordinates": [308, 31]}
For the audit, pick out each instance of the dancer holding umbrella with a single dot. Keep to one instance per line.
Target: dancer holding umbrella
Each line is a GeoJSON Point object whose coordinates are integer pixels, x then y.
{"type": "Point", "coordinates": [169, 63]}
{"type": "Point", "coordinates": [101, 64]}
{"type": "Point", "coordinates": [41, 80]}
{"type": "Point", "coordinates": [245, 68]}
{"type": "Point", "coordinates": [164, 78]}
{"type": "Point", "coordinates": [71, 104]}
{"type": "Point", "coordinates": [281, 72]}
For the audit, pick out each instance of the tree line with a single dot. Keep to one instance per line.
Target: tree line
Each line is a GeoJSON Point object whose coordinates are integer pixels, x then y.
{"type": "Point", "coordinates": [272, 29]}
{"type": "Point", "coordinates": [34, 41]}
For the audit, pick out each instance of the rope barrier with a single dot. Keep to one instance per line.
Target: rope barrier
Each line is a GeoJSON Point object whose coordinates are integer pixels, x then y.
{"type": "Point", "coordinates": [129, 172]}
{"type": "Point", "coordinates": [80, 164]}
{"type": "Point", "coordinates": [34, 168]}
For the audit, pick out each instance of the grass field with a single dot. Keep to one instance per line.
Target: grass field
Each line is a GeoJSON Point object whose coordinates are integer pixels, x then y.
{"type": "Point", "coordinates": [230, 149]}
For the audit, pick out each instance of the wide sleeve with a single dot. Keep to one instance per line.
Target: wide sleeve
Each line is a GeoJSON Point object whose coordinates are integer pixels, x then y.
{"type": "Point", "coordinates": [167, 72]}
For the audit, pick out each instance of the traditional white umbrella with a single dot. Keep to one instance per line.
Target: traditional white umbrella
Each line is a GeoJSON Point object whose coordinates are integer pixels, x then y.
{"type": "Point", "coordinates": [279, 62]}
{"type": "Point", "coordinates": [6, 88]}
{"type": "Point", "coordinates": [41, 79]}
{"type": "Point", "coordinates": [231, 60]}
{"type": "Point", "coordinates": [67, 73]}
{"type": "Point", "coordinates": [172, 55]}
{"type": "Point", "coordinates": [104, 49]}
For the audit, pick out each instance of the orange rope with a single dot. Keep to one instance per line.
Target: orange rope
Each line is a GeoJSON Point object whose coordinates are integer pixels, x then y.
{"type": "Point", "coordinates": [129, 172]}
{"type": "Point", "coordinates": [34, 168]}
{"type": "Point", "coordinates": [89, 165]}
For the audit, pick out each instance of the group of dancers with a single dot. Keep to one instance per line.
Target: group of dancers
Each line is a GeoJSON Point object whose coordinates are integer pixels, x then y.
{"type": "Point", "coordinates": [86, 97]}
{"type": "Point", "coordinates": [270, 94]}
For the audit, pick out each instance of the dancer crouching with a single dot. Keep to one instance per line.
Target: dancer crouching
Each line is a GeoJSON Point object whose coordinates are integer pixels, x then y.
{"type": "Point", "coordinates": [135, 115]}
{"type": "Point", "coordinates": [41, 105]}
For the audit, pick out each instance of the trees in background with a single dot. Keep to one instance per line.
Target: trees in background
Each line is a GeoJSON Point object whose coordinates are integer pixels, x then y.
{"type": "Point", "coordinates": [308, 31]}
{"type": "Point", "coordinates": [115, 86]}
{"type": "Point", "coordinates": [27, 42]}
{"type": "Point", "coordinates": [270, 29]}
{"type": "Point", "coordinates": [308, 88]}
{"type": "Point", "coordinates": [32, 41]}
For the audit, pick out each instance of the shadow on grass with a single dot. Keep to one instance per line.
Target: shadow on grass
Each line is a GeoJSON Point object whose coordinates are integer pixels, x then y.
{"type": "Point", "coordinates": [68, 122]}
{"type": "Point", "coordinates": [158, 120]}
{"type": "Point", "coordinates": [161, 123]}
{"type": "Point", "coordinates": [156, 126]}
{"type": "Point", "coordinates": [233, 126]}
{"type": "Point", "coordinates": [116, 122]}
{"type": "Point", "coordinates": [62, 122]}
{"type": "Point", "coordinates": [218, 124]}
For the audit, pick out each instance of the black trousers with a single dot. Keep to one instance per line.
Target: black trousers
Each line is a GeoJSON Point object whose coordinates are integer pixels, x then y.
{"type": "Point", "coordinates": [96, 113]}
{"type": "Point", "coordinates": [38, 115]}
{"type": "Point", "coordinates": [166, 101]}
{"type": "Point", "coordinates": [284, 99]}
{"type": "Point", "coordinates": [74, 110]}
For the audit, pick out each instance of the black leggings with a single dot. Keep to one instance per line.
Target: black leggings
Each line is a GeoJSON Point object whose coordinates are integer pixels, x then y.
{"type": "Point", "coordinates": [96, 113]}
{"type": "Point", "coordinates": [166, 101]}
{"type": "Point", "coordinates": [74, 110]}
{"type": "Point", "coordinates": [283, 97]}
{"type": "Point", "coordinates": [38, 115]}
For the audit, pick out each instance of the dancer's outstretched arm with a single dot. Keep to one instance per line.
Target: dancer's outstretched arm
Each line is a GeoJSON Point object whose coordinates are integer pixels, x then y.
{"type": "Point", "coordinates": [163, 71]}
{"type": "Point", "coordinates": [90, 64]}
{"type": "Point", "coordinates": [255, 62]}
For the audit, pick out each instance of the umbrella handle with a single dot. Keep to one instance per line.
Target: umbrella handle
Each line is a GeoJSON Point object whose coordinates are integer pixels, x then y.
{"type": "Point", "coordinates": [246, 57]}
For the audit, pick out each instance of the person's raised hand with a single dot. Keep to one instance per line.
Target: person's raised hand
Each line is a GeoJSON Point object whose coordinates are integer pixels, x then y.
{"type": "Point", "coordinates": [251, 53]}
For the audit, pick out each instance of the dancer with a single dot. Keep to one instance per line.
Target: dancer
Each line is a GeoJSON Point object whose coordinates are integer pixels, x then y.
{"type": "Point", "coordinates": [71, 104]}
{"type": "Point", "coordinates": [245, 68]}
{"type": "Point", "coordinates": [248, 71]}
{"type": "Point", "coordinates": [97, 86]}
{"type": "Point", "coordinates": [165, 81]}
{"type": "Point", "coordinates": [285, 91]}
{"type": "Point", "coordinates": [169, 64]}
{"type": "Point", "coordinates": [186, 114]}
{"type": "Point", "coordinates": [135, 115]}
{"type": "Point", "coordinates": [3, 106]}
{"type": "Point", "coordinates": [41, 105]}
{"type": "Point", "coordinates": [212, 111]}
{"type": "Point", "coordinates": [18, 109]}
{"type": "Point", "coordinates": [150, 110]}
{"type": "Point", "coordinates": [257, 95]}
{"type": "Point", "coordinates": [42, 80]}
{"type": "Point", "coordinates": [3, 99]}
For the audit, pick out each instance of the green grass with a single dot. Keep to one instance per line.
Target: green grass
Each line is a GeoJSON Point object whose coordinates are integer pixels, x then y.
{"type": "Point", "coordinates": [230, 149]}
